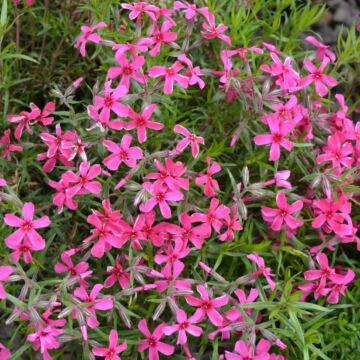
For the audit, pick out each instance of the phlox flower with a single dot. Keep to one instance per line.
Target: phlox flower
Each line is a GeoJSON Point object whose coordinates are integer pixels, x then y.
{"type": "Point", "coordinates": [88, 35]}
{"type": "Point", "coordinates": [211, 31]}
{"type": "Point", "coordinates": [152, 341]}
{"type": "Point", "coordinates": [317, 76]}
{"type": "Point", "coordinates": [122, 153]}
{"type": "Point", "coordinates": [190, 9]}
{"type": "Point", "coordinates": [245, 351]}
{"type": "Point", "coordinates": [324, 273]}
{"type": "Point", "coordinates": [234, 314]}
{"type": "Point", "coordinates": [161, 195]}
{"type": "Point", "coordinates": [184, 325]}
{"type": "Point", "coordinates": [110, 352]}
{"type": "Point", "coordinates": [282, 214]}
{"type": "Point", "coordinates": [27, 227]}
{"type": "Point", "coordinates": [172, 254]}
{"type": "Point", "coordinates": [24, 120]}
{"type": "Point", "coordinates": [117, 272]}
{"type": "Point", "coordinates": [322, 49]}
{"type": "Point", "coordinates": [339, 287]}
{"type": "Point", "coordinates": [194, 73]}
{"type": "Point", "coordinates": [139, 8]}
{"type": "Point", "coordinates": [44, 117]}
{"type": "Point", "coordinates": [5, 353]}
{"type": "Point", "coordinates": [266, 271]}
{"type": "Point", "coordinates": [211, 185]}
{"type": "Point", "coordinates": [142, 121]}
{"type": "Point", "coordinates": [279, 131]}
{"type": "Point", "coordinates": [62, 197]}
{"type": "Point", "coordinates": [161, 36]}
{"type": "Point", "coordinates": [5, 272]}
{"type": "Point", "coordinates": [190, 139]}
{"type": "Point", "coordinates": [232, 224]}
{"type": "Point", "coordinates": [8, 146]}
{"type": "Point", "coordinates": [128, 70]}
{"type": "Point", "coordinates": [170, 75]}
{"type": "Point", "coordinates": [207, 306]}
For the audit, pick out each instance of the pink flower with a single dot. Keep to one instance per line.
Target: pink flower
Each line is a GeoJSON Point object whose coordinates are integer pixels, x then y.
{"type": "Point", "coordinates": [170, 75]}
{"type": "Point", "coordinates": [139, 8]}
{"type": "Point", "coordinates": [322, 49]}
{"type": "Point", "coordinates": [190, 139]}
{"type": "Point", "coordinates": [110, 353]}
{"type": "Point", "coordinates": [118, 273]}
{"type": "Point", "coordinates": [212, 31]}
{"type": "Point", "coordinates": [333, 215]}
{"type": "Point", "coordinates": [152, 341]}
{"type": "Point", "coordinates": [88, 35]}
{"type": "Point", "coordinates": [245, 351]}
{"type": "Point", "coordinates": [62, 197]}
{"type": "Point", "coordinates": [22, 249]}
{"type": "Point", "coordinates": [122, 153]}
{"type": "Point", "coordinates": [95, 303]}
{"type": "Point", "coordinates": [324, 273]}
{"type": "Point", "coordinates": [160, 196]}
{"type": "Point", "coordinates": [282, 215]}
{"type": "Point", "coordinates": [44, 117]}
{"type": "Point", "coordinates": [340, 286]}
{"type": "Point", "coordinates": [8, 146]}
{"type": "Point", "coordinates": [27, 227]}
{"type": "Point", "coordinates": [266, 271]}
{"type": "Point", "coordinates": [2, 182]}
{"type": "Point", "coordinates": [111, 102]}
{"type": "Point", "coordinates": [45, 339]}
{"type": "Point", "coordinates": [234, 314]}
{"type": "Point", "coordinates": [83, 181]}
{"type": "Point", "coordinates": [79, 271]}
{"type": "Point", "coordinates": [184, 325]}
{"type": "Point", "coordinates": [279, 130]}
{"type": "Point", "coordinates": [5, 272]}
{"type": "Point", "coordinates": [196, 235]}
{"type": "Point", "coordinates": [211, 185]}
{"type": "Point", "coordinates": [142, 122]}
{"type": "Point", "coordinates": [128, 70]}
{"type": "Point", "coordinates": [232, 224]}
{"type": "Point", "coordinates": [4, 352]}
{"type": "Point", "coordinates": [287, 77]}
{"type": "Point", "coordinates": [24, 120]}
{"type": "Point", "coordinates": [172, 255]}
{"type": "Point", "coordinates": [214, 216]}
{"type": "Point", "coordinates": [318, 77]}
{"type": "Point", "coordinates": [337, 151]}
{"type": "Point", "coordinates": [190, 9]}
{"type": "Point", "coordinates": [194, 73]}
{"type": "Point", "coordinates": [207, 305]}
{"type": "Point", "coordinates": [170, 174]}
{"type": "Point", "coordinates": [162, 36]}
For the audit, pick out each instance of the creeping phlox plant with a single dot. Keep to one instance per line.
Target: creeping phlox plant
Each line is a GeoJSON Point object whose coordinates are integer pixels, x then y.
{"type": "Point", "coordinates": [168, 253]}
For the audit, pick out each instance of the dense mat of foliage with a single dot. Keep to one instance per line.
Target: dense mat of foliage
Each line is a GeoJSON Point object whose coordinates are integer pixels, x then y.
{"type": "Point", "coordinates": [178, 181]}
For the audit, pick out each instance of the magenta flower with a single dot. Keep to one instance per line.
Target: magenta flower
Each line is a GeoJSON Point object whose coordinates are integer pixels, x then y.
{"type": "Point", "coordinates": [190, 139]}
{"type": "Point", "coordinates": [170, 75]}
{"type": "Point", "coordinates": [322, 49]}
{"type": "Point", "coordinates": [44, 117]}
{"type": "Point", "coordinates": [318, 77]}
{"type": "Point", "coordinates": [152, 341]}
{"type": "Point", "coordinates": [266, 271]}
{"type": "Point", "coordinates": [88, 35]}
{"type": "Point", "coordinates": [282, 215]}
{"type": "Point", "coordinates": [83, 183]}
{"type": "Point", "coordinates": [111, 102]}
{"type": "Point", "coordinates": [245, 351]}
{"type": "Point", "coordinates": [337, 151]}
{"type": "Point", "coordinates": [212, 31]}
{"type": "Point", "coordinates": [122, 153]}
{"type": "Point", "coordinates": [325, 272]}
{"type": "Point", "coordinates": [2, 182]}
{"type": "Point", "coordinates": [142, 122]}
{"type": "Point", "coordinates": [8, 146]}
{"type": "Point", "coordinates": [128, 70]}
{"type": "Point", "coordinates": [4, 352]}
{"type": "Point", "coordinates": [234, 314]}
{"type": "Point", "coordinates": [279, 130]}
{"type": "Point", "coordinates": [139, 8]}
{"type": "Point", "coordinates": [118, 273]}
{"type": "Point", "coordinates": [5, 272]}
{"type": "Point", "coordinates": [194, 73]}
{"type": "Point", "coordinates": [161, 36]}
{"type": "Point", "coordinates": [340, 286]}
{"type": "Point", "coordinates": [170, 174]}
{"type": "Point", "coordinates": [45, 338]}
{"type": "Point", "coordinates": [184, 325]}
{"type": "Point", "coordinates": [333, 215]}
{"type": "Point", "coordinates": [232, 224]}
{"type": "Point", "coordinates": [110, 353]}
{"type": "Point", "coordinates": [160, 196]}
{"type": "Point", "coordinates": [96, 303]}
{"type": "Point", "coordinates": [190, 9]}
{"type": "Point", "coordinates": [211, 185]}
{"type": "Point", "coordinates": [214, 216]}
{"type": "Point", "coordinates": [24, 120]}
{"type": "Point", "coordinates": [196, 235]}
{"type": "Point", "coordinates": [207, 305]}
{"type": "Point", "coordinates": [172, 255]}
{"type": "Point", "coordinates": [27, 227]}
{"type": "Point", "coordinates": [62, 197]}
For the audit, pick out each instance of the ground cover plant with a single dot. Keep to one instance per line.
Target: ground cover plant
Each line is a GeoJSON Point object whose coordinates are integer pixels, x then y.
{"type": "Point", "coordinates": [178, 180]}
